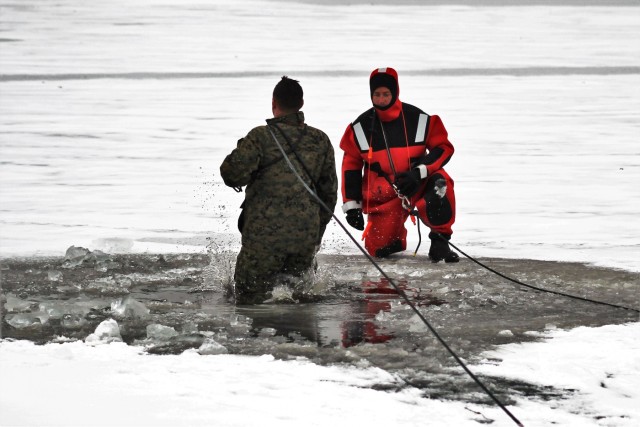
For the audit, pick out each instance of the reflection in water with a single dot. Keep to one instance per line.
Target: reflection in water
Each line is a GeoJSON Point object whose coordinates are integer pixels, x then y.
{"type": "Point", "coordinates": [328, 323]}
{"type": "Point", "coordinates": [334, 323]}
{"type": "Point", "coordinates": [358, 331]}
{"type": "Point", "coordinates": [377, 298]}
{"type": "Point", "coordinates": [286, 320]}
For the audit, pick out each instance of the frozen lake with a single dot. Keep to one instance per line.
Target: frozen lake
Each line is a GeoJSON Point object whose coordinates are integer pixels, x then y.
{"type": "Point", "coordinates": [114, 119]}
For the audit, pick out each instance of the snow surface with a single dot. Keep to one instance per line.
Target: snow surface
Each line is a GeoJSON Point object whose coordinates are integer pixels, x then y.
{"type": "Point", "coordinates": [115, 116]}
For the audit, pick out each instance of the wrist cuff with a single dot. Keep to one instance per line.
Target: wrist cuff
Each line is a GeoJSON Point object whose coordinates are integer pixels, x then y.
{"type": "Point", "coordinates": [423, 171]}
{"type": "Point", "coordinates": [351, 205]}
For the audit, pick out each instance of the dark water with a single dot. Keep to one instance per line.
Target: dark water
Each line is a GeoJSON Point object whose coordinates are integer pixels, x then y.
{"type": "Point", "coordinates": [355, 317]}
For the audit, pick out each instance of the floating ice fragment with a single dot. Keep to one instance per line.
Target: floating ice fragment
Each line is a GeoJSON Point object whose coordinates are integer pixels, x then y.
{"type": "Point", "coordinates": [464, 306]}
{"type": "Point", "coordinates": [54, 276]}
{"type": "Point", "coordinates": [382, 315]}
{"type": "Point", "coordinates": [73, 321]}
{"type": "Point", "coordinates": [210, 347]}
{"type": "Point", "coordinates": [23, 320]}
{"type": "Point", "coordinates": [239, 319]}
{"type": "Point", "coordinates": [15, 305]}
{"type": "Point", "coordinates": [110, 285]}
{"type": "Point", "coordinates": [129, 307]}
{"type": "Point", "coordinates": [57, 309]}
{"type": "Point", "coordinates": [416, 324]}
{"type": "Point", "coordinates": [190, 328]}
{"type": "Point", "coordinates": [75, 253]}
{"type": "Point", "coordinates": [107, 331]}
{"type": "Point", "coordinates": [505, 333]}
{"type": "Point", "coordinates": [160, 332]}
{"type": "Point", "coordinates": [267, 332]}
{"type": "Point", "coordinates": [76, 256]}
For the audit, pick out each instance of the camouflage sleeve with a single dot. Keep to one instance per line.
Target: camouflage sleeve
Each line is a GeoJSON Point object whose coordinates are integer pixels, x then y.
{"type": "Point", "coordinates": [328, 185]}
{"type": "Point", "coordinates": [238, 168]}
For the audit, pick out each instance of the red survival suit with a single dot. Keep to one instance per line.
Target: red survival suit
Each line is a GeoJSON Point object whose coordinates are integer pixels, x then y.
{"type": "Point", "coordinates": [385, 142]}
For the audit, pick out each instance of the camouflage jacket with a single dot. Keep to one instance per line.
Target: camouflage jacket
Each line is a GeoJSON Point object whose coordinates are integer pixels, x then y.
{"type": "Point", "coordinates": [278, 209]}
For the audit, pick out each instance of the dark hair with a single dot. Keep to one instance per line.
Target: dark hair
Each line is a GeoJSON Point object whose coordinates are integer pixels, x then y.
{"type": "Point", "coordinates": [288, 94]}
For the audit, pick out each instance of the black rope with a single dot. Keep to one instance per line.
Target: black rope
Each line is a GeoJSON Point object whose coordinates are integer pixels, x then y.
{"type": "Point", "coordinates": [531, 286]}
{"type": "Point", "coordinates": [398, 289]}
{"type": "Point", "coordinates": [415, 213]}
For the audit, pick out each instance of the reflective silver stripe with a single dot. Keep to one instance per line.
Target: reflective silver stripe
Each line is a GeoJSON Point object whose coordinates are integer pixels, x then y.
{"type": "Point", "coordinates": [382, 70]}
{"type": "Point", "coordinates": [360, 138]}
{"type": "Point", "coordinates": [422, 127]}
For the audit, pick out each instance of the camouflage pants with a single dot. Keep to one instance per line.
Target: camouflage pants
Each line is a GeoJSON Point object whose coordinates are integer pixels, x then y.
{"type": "Point", "coordinates": [256, 269]}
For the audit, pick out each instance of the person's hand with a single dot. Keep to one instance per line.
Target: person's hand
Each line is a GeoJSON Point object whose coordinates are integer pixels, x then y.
{"type": "Point", "coordinates": [355, 218]}
{"type": "Point", "coordinates": [408, 183]}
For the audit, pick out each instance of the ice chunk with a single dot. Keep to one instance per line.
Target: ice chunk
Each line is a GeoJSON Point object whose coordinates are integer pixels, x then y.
{"type": "Point", "coordinates": [54, 276]}
{"type": "Point", "coordinates": [210, 347]}
{"type": "Point", "coordinates": [73, 321]}
{"type": "Point", "coordinates": [160, 332]}
{"type": "Point", "coordinates": [102, 261]}
{"type": "Point", "coordinates": [23, 320]}
{"type": "Point", "coordinates": [239, 324]}
{"type": "Point", "coordinates": [16, 305]}
{"type": "Point", "coordinates": [382, 316]}
{"type": "Point", "coordinates": [76, 256]}
{"type": "Point", "coordinates": [505, 333]}
{"type": "Point", "coordinates": [107, 331]}
{"type": "Point", "coordinates": [129, 307]}
{"type": "Point", "coordinates": [75, 253]}
{"type": "Point", "coordinates": [267, 332]}
{"type": "Point", "coordinates": [110, 285]}
{"type": "Point", "coordinates": [416, 324]}
{"type": "Point", "coordinates": [71, 315]}
{"type": "Point", "coordinates": [190, 328]}
{"type": "Point", "coordinates": [239, 319]}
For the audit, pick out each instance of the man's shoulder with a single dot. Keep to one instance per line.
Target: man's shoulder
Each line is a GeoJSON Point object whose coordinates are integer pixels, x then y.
{"type": "Point", "coordinates": [258, 131]}
{"type": "Point", "coordinates": [317, 133]}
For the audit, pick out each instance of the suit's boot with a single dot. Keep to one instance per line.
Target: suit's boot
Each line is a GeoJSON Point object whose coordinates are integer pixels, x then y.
{"type": "Point", "coordinates": [440, 249]}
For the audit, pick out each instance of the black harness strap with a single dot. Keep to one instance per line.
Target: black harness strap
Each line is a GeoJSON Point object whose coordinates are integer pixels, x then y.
{"type": "Point", "coordinates": [295, 152]}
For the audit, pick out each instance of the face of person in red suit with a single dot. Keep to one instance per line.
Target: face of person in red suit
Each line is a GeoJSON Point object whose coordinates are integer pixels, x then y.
{"type": "Point", "coordinates": [381, 97]}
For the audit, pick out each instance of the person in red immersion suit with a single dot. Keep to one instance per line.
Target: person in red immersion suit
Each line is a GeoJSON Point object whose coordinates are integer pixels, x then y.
{"type": "Point", "coordinates": [395, 144]}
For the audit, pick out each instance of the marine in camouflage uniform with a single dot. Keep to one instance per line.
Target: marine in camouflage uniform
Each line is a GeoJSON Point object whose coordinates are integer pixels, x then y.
{"type": "Point", "coordinates": [282, 224]}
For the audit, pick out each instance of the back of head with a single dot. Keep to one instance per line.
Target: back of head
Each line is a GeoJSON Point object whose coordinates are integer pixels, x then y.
{"type": "Point", "coordinates": [288, 94]}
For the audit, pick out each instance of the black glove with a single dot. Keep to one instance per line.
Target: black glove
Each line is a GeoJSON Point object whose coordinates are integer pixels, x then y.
{"type": "Point", "coordinates": [355, 218]}
{"type": "Point", "coordinates": [408, 183]}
